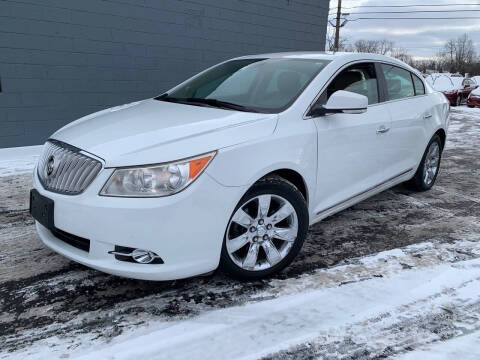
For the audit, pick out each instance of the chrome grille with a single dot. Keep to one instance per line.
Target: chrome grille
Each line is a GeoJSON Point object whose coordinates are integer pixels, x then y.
{"type": "Point", "coordinates": [62, 168]}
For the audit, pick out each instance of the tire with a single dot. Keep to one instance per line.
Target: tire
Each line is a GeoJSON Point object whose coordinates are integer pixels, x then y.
{"type": "Point", "coordinates": [420, 181]}
{"type": "Point", "coordinates": [260, 228]}
{"type": "Point", "coordinates": [471, 106]}
{"type": "Point", "coordinates": [458, 102]}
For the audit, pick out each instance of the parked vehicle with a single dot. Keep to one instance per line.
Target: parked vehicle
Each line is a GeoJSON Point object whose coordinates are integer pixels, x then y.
{"type": "Point", "coordinates": [230, 167]}
{"type": "Point", "coordinates": [477, 80]}
{"type": "Point", "coordinates": [474, 98]}
{"type": "Point", "coordinates": [456, 89]}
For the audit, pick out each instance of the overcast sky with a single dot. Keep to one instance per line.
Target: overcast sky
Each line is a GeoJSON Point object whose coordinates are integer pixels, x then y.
{"type": "Point", "coordinates": [422, 38]}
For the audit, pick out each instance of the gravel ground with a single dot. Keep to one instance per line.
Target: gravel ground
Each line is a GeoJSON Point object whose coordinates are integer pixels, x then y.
{"type": "Point", "coordinates": [49, 302]}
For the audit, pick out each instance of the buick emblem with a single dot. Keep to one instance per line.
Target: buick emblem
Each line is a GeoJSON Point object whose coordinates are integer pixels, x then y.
{"type": "Point", "coordinates": [50, 165]}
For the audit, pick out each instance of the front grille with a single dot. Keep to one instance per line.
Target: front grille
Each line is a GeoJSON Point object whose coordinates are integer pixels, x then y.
{"type": "Point", "coordinates": [64, 169]}
{"type": "Point", "coordinates": [73, 240]}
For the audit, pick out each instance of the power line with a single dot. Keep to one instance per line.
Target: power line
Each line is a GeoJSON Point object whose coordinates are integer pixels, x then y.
{"type": "Point", "coordinates": [414, 18]}
{"type": "Point", "coordinates": [411, 12]}
{"type": "Point", "coordinates": [403, 6]}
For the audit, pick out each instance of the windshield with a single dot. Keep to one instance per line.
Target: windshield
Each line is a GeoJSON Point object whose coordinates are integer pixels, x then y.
{"type": "Point", "coordinates": [258, 85]}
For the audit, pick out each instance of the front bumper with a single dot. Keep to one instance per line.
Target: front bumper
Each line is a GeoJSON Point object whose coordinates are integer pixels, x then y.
{"type": "Point", "coordinates": [186, 229]}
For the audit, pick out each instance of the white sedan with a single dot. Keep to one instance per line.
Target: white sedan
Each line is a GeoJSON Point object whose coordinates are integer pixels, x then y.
{"type": "Point", "coordinates": [230, 167]}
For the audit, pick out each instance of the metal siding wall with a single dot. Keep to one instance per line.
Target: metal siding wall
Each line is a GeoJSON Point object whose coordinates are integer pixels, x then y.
{"type": "Point", "coordinates": [60, 60]}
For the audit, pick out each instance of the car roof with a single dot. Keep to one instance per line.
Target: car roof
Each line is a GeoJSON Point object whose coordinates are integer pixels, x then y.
{"type": "Point", "coordinates": [339, 57]}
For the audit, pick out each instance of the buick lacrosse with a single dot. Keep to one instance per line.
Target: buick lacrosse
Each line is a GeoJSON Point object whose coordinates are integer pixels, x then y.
{"type": "Point", "coordinates": [229, 168]}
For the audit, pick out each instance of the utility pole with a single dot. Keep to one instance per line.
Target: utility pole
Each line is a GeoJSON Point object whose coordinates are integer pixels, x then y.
{"type": "Point", "coordinates": [337, 26]}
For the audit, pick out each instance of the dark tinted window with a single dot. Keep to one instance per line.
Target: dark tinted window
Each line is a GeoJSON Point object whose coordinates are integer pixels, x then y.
{"type": "Point", "coordinates": [359, 78]}
{"type": "Point", "coordinates": [399, 82]}
{"type": "Point", "coordinates": [419, 87]}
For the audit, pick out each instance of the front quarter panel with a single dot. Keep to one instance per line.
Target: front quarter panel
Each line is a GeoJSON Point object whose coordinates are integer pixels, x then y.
{"type": "Point", "coordinates": [293, 146]}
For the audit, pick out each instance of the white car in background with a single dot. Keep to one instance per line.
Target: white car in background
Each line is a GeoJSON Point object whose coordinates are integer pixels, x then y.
{"type": "Point", "coordinates": [230, 167]}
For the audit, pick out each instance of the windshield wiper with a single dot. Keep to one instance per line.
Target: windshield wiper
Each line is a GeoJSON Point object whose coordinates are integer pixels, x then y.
{"type": "Point", "coordinates": [206, 102]}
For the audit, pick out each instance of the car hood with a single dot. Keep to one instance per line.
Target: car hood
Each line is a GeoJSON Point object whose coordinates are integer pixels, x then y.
{"type": "Point", "coordinates": [152, 131]}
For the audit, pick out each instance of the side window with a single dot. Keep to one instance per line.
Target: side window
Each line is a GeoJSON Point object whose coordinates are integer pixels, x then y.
{"type": "Point", "coordinates": [359, 78]}
{"type": "Point", "coordinates": [419, 87]}
{"type": "Point", "coordinates": [399, 82]}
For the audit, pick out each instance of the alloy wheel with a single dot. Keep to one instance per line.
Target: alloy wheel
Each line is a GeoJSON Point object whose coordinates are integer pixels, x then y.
{"type": "Point", "coordinates": [432, 161]}
{"type": "Point", "coordinates": [261, 232]}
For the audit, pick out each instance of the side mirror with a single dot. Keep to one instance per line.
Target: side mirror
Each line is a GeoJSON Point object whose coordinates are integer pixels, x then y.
{"type": "Point", "coordinates": [342, 102]}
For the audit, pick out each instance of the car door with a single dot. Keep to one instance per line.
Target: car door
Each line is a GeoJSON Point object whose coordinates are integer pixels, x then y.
{"type": "Point", "coordinates": [350, 146]}
{"type": "Point", "coordinates": [409, 110]}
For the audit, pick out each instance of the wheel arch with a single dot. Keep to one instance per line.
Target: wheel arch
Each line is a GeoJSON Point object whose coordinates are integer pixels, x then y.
{"type": "Point", "coordinates": [443, 136]}
{"type": "Point", "coordinates": [293, 177]}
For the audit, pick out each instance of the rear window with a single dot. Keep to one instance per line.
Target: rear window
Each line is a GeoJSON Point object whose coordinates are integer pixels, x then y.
{"type": "Point", "coordinates": [418, 84]}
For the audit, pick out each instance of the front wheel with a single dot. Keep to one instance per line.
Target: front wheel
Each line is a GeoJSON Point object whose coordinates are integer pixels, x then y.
{"type": "Point", "coordinates": [428, 169]}
{"type": "Point", "coordinates": [266, 231]}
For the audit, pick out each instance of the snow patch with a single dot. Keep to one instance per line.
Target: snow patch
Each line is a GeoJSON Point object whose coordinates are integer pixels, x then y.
{"type": "Point", "coordinates": [18, 160]}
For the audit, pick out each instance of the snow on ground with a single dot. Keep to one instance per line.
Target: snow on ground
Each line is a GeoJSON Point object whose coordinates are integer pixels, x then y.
{"type": "Point", "coordinates": [378, 291]}
{"type": "Point", "coordinates": [462, 347]}
{"type": "Point", "coordinates": [396, 276]}
{"type": "Point", "coordinates": [19, 160]}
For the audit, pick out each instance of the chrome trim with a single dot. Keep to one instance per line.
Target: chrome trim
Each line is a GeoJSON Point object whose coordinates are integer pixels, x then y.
{"type": "Point", "coordinates": [66, 169]}
{"type": "Point", "coordinates": [382, 129]}
{"type": "Point", "coordinates": [365, 191]}
{"type": "Point", "coordinates": [154, 256]}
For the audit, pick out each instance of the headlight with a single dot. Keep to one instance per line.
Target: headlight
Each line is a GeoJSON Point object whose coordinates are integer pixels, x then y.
{"type": "Point", "coordinates": [156, 180]}
{"type": "Point", "coordinates": [450, 92]}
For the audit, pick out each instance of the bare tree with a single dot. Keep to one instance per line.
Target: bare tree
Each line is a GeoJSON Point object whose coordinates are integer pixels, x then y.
{"type": "Point", "coordinates": [385, 46]}
{"type": "Point", "coordinates": [366, 46]}
{"type": "Point", "coordinates": [402, 55]}
{"type": "Point", "coordinates": [342, 42]}
{"type": "Point", "coordinates": [458, 55]}
{"type": "Point", "coordinates": [465, 54]}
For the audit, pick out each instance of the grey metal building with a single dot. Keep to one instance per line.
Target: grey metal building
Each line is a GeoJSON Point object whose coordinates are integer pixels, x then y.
{"type": "Point", "coordinates": [62, 59]}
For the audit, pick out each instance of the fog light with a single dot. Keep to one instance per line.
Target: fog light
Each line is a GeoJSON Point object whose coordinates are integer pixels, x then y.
{"type": "Point", "coordinates": [143, 256]}
{"type": "Point", "coordinates": [133, 255]}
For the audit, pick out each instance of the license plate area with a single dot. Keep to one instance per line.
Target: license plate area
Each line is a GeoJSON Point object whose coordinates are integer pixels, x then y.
{"type": "Point", "coordinates": [42, 209]}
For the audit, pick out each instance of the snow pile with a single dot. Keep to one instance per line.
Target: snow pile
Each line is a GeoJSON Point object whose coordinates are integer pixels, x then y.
{"type": "Point", "coordinates": [19, 160]}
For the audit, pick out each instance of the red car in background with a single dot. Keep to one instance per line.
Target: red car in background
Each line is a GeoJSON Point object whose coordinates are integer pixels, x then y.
{"type": "Point", "coordinates": [474, 98]}
{"type": "Point", "coordinates": [455, 89]}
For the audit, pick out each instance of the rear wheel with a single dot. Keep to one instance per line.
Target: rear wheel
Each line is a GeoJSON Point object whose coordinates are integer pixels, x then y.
{"type": "Point", "coordinates": [266, 231]}
{"type": "Point", "coordinates": [428, 169]}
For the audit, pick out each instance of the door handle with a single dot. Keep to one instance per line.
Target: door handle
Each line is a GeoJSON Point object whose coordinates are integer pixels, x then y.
{"type": "Point", "coordinates": [382, 129]}
{"type": "Point", "coordinates": [427, 116]}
